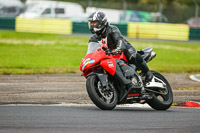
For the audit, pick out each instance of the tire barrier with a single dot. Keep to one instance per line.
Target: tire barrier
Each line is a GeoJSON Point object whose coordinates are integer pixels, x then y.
{"type": "Point", "coordinates": [164, 31]}
{"type": "Point", "coordinates": [44, 25]}
{"type": "Point", "coordinates": [158, 31]}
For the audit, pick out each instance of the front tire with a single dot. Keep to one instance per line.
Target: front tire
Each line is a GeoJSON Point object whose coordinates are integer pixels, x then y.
{"type": "Point", "coordinates": [104, 98]}
{"type": "Point", "coordinates": [161, 102]}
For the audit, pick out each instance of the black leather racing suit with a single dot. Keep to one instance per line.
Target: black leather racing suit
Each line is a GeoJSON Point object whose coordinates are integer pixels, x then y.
{"type": "Point", "coordinates": [114, 39]}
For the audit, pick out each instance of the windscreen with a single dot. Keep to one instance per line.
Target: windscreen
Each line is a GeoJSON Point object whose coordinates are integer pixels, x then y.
{"type": "Point", "coordinates": [92, 46]}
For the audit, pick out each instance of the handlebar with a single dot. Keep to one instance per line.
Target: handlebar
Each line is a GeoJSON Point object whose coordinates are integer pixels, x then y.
{"type": "Point", "coordinates": [109, 52]}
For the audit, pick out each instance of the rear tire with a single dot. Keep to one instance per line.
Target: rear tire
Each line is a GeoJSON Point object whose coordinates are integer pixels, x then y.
{"type": "Point", "coordinates": [106, 99]}
{"type": "Point", "coordinates": [165, 101]}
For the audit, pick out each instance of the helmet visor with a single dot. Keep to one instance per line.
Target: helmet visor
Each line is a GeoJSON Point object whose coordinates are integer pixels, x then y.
{"type": "Point", "coordinates": [93, 24]}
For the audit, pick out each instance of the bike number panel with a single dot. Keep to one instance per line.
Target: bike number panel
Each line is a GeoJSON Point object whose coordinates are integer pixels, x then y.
{"type": "Point", "coordinates": [109, 65]}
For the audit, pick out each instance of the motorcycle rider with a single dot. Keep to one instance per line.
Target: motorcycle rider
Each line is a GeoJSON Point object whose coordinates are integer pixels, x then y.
{"type": "Point", "coordinates": [111, 35]}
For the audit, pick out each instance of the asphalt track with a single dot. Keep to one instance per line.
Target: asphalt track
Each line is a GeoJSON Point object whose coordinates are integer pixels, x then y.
{"type": "Point", "coordinates": [71, 88]}
{"type": "Point", "coordinates": [90, 119]}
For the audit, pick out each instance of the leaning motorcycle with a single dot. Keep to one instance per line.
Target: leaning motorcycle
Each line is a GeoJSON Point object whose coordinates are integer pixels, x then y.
{"type": "Point", "coordinates": [99, 66]}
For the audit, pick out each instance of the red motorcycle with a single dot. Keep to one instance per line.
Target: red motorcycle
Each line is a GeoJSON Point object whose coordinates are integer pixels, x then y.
{"type": "Point", "coordinates": [99, 66]}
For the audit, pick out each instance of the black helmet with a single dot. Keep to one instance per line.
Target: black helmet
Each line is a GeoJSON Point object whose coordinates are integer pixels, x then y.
{"type": "Point", "coordinates": [97, 21]}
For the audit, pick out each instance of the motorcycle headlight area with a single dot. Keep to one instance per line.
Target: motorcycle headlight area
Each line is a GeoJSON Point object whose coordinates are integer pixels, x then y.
{"type": "Point", "coordinates": [86, 62]}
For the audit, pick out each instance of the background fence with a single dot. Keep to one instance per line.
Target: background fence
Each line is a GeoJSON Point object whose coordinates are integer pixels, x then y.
{"type": "Point", "coordinates": [194, 34]}
{"type": "Point", "coordinates": [135, 30]}
{"type": "Point", "coordinates": [82, 27]}
{"type": "Point", "coordinates": [7, 23]}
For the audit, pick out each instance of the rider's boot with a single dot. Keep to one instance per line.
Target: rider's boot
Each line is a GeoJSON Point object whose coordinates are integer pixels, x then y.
{"type": "Point", "coordinates": [139, 61]}
{"type": "Point", "coordinates": [145, 70]}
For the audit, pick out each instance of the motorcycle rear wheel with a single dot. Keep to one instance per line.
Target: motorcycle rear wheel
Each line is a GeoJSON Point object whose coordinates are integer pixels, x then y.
{"type": "Point", "coordinates": [105, 99]}
{"type": "Point", "coordinates": [161, 102]}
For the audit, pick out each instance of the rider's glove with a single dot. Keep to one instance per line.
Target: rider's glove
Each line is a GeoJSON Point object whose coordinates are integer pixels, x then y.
{"type": "Point", "coordinates": [116, 51]}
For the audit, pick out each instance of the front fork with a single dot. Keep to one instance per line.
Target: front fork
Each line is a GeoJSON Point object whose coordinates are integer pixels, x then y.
{"type": "Point", "coordinates": [102, 77]}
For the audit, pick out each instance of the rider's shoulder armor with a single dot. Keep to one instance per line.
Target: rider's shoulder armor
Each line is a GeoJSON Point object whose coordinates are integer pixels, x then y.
{"type": "Point", "coordinates": [94, 38]}
{"type": "Point", "coordinates": [113, 29]}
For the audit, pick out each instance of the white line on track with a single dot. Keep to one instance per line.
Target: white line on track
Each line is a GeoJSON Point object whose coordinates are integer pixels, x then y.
{"type": "Point", "coordinates": [195, 77]}
{"type": "Point", "coordinates": [87, 105]}
{"type": "Point", "coordinates": [76, 105]}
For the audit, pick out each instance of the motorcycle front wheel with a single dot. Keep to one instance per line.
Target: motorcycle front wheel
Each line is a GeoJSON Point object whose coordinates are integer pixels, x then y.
{"type": "Point", "coordinates": [105, 98]}
{"type": "Point", "coordinates": [161, 101]}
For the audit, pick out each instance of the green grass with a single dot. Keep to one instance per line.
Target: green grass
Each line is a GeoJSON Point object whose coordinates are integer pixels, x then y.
{"type": "Point", "coordinates": [27, 53]}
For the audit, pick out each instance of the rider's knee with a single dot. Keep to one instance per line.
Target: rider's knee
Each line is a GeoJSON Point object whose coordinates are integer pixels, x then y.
{"type": "Point", "coordinates": [130, 55]}
{"type": "Point", "coordinates": [139, 58]}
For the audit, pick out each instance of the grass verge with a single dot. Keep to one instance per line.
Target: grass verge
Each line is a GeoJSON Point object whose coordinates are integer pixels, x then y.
{"type": "Point", "coordinates": [32, 53]}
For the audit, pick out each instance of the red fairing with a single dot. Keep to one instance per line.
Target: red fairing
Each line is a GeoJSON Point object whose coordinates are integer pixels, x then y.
{"type": "Point", "coordinates": [98, 58]}
{"type": "Point", "coordinates": [109, 65]}
{"type": "Point", "coordinates": [120, 56]}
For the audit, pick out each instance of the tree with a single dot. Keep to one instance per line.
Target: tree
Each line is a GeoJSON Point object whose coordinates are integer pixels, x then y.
{"type": "Point", "coordinates": [23, 1]}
